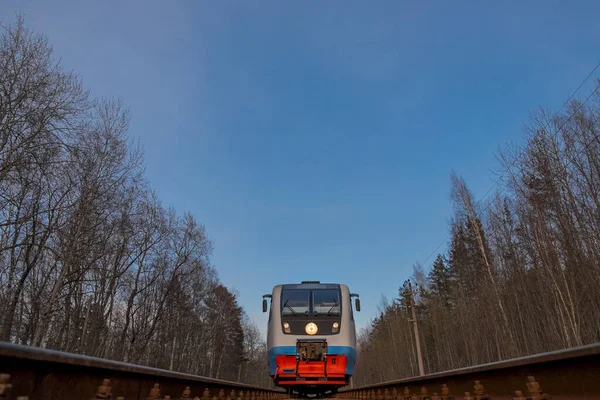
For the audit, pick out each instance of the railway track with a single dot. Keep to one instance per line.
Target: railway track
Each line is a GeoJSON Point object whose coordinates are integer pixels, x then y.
{"type": "Point", "coordinates": [572, 374]}
{"type": "Point", "coordinates": [30, 373]}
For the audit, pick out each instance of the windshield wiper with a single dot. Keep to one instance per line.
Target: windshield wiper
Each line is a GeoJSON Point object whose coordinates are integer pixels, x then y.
{"type": "Point", "coordinates": [334, 306]}
{"type": "Point", "coordinates": [291, 309]}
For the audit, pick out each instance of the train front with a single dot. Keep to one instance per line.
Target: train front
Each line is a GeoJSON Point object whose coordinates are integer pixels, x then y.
{"type": "Point", "coordinates": [311, 338]}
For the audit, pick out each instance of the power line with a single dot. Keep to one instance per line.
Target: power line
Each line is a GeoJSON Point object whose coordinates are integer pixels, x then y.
{"type": "Point", "coordinates": [518, 157]}
{"type": "Point", "coordinates": [547, 126]}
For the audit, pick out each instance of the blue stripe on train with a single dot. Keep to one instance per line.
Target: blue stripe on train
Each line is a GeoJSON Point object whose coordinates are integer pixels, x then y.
{"type": "Point", "coordinates": [347, 351]}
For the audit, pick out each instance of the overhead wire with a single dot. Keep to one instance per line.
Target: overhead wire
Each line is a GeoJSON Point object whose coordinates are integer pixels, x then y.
{"type": "Point", "coordinates": [518, 157]}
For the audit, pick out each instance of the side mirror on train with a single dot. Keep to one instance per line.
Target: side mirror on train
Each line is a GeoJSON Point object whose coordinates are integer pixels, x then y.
{"type": "Point", "coordinates": [265, 297]}
{"type": "Point", "coordinates": [356, 302]}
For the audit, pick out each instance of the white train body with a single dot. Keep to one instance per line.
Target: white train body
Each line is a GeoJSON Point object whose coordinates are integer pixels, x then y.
{"type": "Point", "coordinates": [311, 336]}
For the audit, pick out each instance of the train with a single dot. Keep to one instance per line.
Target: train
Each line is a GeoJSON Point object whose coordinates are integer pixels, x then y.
{"type": "Point", "coordinates": [311, 337]}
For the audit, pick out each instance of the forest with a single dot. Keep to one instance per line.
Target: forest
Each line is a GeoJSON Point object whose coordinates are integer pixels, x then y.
{"type": "Point", "coordinates": [522, 269]}
{"type": "Point", "coordinates": [91, 262]}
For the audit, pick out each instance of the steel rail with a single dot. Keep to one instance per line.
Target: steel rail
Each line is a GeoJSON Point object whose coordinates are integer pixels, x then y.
{"type": "Point", "coordinates": [40, 373]}
{"type": "Point", "coordinates": [564, 374]}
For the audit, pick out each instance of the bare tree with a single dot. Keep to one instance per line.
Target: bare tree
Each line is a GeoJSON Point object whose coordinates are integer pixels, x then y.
{"type": "Point", "coordinates": [90, 261]}
{"type": "Point", "coordinates": [521, 272]}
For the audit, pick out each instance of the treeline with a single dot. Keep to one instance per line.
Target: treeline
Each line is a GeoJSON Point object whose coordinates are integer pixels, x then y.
{"type": "Point", "coordinates": [90, 261]}
{"type": "Point", "coordinates": [522, 271]}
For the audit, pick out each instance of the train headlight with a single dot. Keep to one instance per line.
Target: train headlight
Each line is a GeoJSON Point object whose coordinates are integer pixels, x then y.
{"type": "Point", "coordinates": [311, 328]}
{"type": "Point", "coordinates": [286, 327]}
{"type": "Point", "coordinates": [335, 327]}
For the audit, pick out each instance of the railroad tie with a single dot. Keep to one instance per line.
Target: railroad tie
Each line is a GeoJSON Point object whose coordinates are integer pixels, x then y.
{"type": "Point", "coordinates": [206, 394]}
{"type": "Point", "coordinates": [424, 394]}
{"type": "Point", "coordinates": [221, 394]}
{"type": "Point", "coordinates": [406, 394]}
{"type": "Point", "coordinates": [468, 396]}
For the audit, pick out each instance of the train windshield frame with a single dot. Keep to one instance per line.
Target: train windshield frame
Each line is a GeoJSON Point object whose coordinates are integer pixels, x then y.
{"type": "Point", "coordinates": [314, 302]}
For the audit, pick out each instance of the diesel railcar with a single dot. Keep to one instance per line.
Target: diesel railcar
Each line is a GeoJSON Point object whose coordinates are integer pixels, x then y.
{"type": "Point", "coordinates": [311, 336]}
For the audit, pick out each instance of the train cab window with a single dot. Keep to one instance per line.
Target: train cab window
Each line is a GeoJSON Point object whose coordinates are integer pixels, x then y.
{"type": "Point", "coordinates": [294, 302]}
{"type": "Point", "coordinates": [326, 302]}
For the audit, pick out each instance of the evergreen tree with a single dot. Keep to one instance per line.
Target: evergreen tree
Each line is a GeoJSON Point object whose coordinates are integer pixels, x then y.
{"type": "Point", "coordinates": [440, 281]}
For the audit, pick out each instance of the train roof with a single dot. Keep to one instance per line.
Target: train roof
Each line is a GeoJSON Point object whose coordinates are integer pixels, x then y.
{"type": "Point", "coordinates": [311, 285]}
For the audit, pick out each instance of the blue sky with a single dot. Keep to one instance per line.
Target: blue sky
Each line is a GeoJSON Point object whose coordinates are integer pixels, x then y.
{"type": "Point", "coordinates": [315, 140]}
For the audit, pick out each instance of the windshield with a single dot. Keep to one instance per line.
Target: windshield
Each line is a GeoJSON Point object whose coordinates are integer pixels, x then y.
{"type": "Point", "coordinates": [294, 302]}
{"type": "Point", "coordinates": [317, 302]}
{"type": "Point", "coordinates": [326, 302]}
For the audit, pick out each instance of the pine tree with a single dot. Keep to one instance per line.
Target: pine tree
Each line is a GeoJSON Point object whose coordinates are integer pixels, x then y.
{"type": "Point", "coordinates": [440, 281]}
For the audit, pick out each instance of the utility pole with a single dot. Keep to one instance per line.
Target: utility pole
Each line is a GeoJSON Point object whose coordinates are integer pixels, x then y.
{"type": "Point", "coordinates": [243, 361]}
{"type": "Point", "coordinates": [416, 329]}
